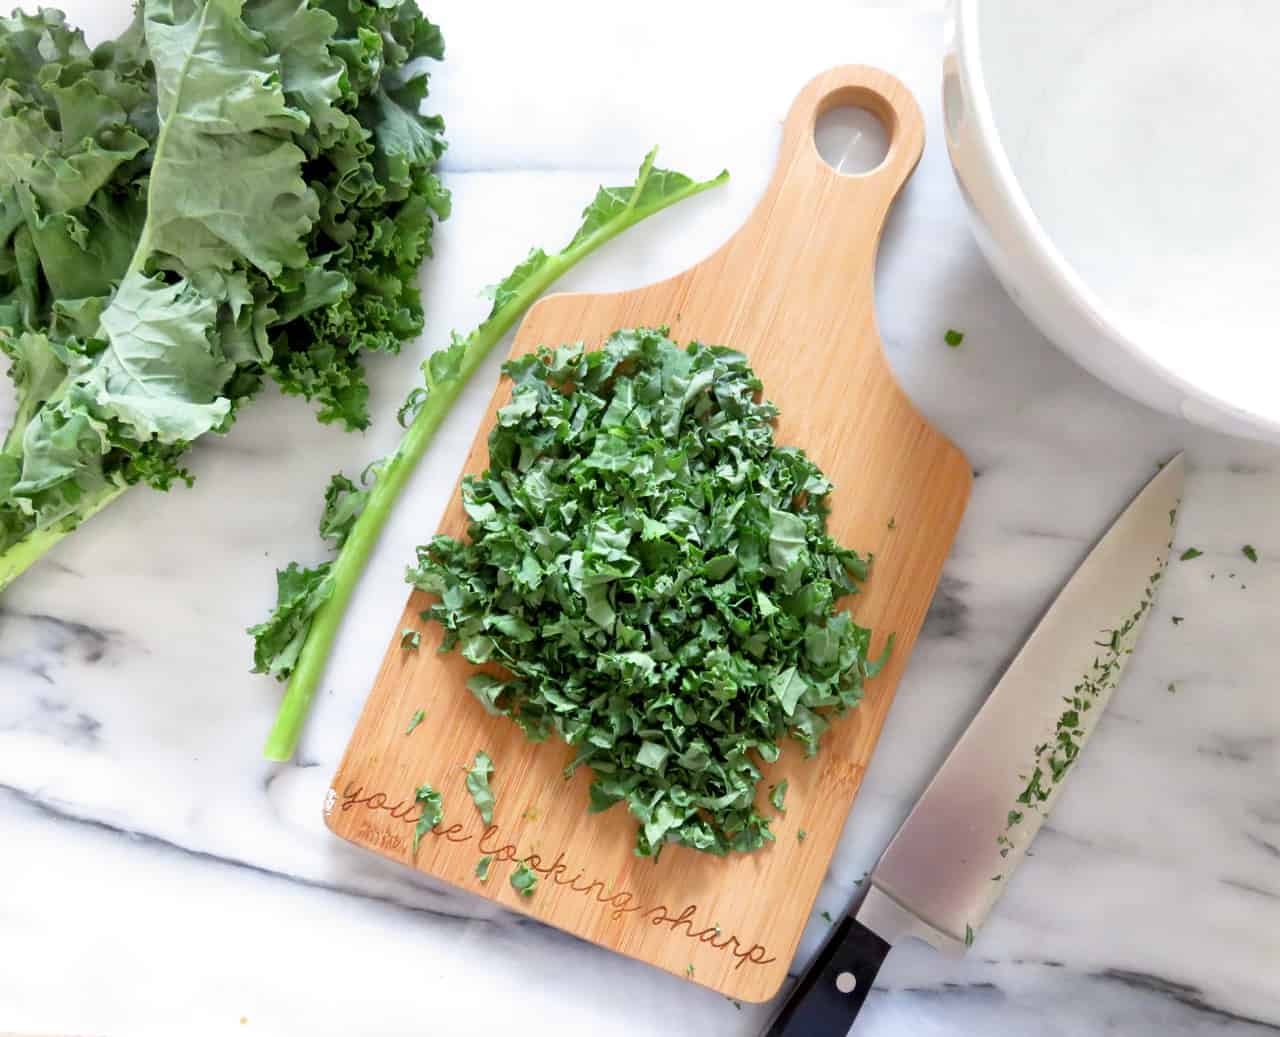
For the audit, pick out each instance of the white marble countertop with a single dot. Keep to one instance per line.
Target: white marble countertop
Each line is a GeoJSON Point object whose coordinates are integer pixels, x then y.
{"type": "Point", "coordinates": [157, 877]}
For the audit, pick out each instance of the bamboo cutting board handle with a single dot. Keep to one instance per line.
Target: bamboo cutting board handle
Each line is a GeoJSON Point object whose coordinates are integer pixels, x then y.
{"type": "Point", "coordinates": [807, 252]}
{"type": "Point", "coordinates": [793, 289]}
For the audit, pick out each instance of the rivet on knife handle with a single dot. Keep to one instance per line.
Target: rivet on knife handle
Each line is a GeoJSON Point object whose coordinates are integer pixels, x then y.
{"type": "Point", "coordinates": [829, 995]}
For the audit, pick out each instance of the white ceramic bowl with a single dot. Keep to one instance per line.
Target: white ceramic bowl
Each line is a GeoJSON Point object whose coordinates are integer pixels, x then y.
{"type": "Point", "coordinates": [1121, 161]}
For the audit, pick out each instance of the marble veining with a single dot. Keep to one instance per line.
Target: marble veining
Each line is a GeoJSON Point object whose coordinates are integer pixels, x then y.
{"type": "Point", "coordinates": [158, 877]}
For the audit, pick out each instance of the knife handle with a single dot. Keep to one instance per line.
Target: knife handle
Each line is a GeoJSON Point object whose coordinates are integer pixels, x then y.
{"type": "Point", "coordinates": [826, 1000]}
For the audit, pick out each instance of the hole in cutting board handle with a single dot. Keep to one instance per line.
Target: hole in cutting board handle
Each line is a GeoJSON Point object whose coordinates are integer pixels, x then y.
{"type": "Point", "coordinates": [851, 139]}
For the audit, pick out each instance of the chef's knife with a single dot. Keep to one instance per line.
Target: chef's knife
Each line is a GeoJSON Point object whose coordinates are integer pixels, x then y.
{"type": "Point", "coordinates": [937, 881]}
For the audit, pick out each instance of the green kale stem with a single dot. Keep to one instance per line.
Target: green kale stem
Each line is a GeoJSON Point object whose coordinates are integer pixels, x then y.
{"type": "Point", "coordinates": [39, 542]}
{"type": "Point", "coordinates": [21, 556]}
{"type": "Point", "coordinates": [392, 477]}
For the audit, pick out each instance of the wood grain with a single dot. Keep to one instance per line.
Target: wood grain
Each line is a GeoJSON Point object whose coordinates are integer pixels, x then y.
{"type": "Point", "coordinates": [794, 290]}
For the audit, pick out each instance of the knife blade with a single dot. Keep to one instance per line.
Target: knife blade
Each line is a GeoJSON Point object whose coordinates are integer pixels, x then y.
{"type": "Point", "coordinates": [994, 790]}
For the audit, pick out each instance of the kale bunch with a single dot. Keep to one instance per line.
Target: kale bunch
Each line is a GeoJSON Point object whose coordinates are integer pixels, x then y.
{"type": "Point", "coordinates": [233, 189]}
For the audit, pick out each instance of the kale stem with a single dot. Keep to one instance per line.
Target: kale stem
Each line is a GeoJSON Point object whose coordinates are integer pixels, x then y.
{"type": "Point", "coordinates": [18, 558]}
{"type": "Point", "coordinates": [394, 475]}
{"type": "Point", "coordinates": [13, 440]}
{"type": "Point", "coordinates": [350, 563]}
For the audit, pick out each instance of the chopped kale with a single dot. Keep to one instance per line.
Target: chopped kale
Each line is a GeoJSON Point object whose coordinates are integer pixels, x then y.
{"type": "Point", "coordinates": [432, 811]}
{"type": "Point", "coordinates": [524, 880]}
{"type": "Point", "coordinates": [655, 575]}
{"type": "Point", "coordinates": [478, 786]}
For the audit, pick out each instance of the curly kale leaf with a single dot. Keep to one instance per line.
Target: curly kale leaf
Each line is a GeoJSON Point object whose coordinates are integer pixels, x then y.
{"type": "Point", "coordinates": [279, 639]}
{"type": "Point", "coordinates": [372, 160]}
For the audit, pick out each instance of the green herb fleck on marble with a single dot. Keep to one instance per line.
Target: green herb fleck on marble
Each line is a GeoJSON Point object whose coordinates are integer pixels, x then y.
{"type": "Point", "coordinates": [1190, 553]}
{"type": "Point", "coordinates": [968, 936]}
{"type": "Point", "coordinates": [826, 917]}
{"type": "Point", "coordinates": [1250, 552]}
{"type": "Point", "coordinates": [953, 338]}
{"type": "Point", "coordinates": [1177, 620]}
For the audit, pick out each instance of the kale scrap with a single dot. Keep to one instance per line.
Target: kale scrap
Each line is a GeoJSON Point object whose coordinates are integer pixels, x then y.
{"type": "Point", "coordinates": [654, 575]}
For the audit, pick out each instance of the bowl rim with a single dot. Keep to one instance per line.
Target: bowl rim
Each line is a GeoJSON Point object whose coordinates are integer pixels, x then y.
{"type": "Point", "coordinates": [1067, 283]}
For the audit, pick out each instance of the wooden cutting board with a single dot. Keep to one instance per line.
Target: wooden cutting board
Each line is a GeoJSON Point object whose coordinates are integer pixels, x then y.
{"type": "Point", "coordinates": [793, 289]}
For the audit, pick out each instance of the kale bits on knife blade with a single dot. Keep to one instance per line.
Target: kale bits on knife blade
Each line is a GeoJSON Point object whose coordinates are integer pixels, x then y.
{"type": "Point", "coordinates": [655, 577]}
